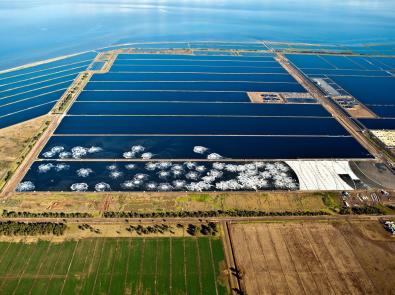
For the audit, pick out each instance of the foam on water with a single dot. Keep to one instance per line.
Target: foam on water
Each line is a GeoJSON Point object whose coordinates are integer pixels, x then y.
{"type": "Point", "coordinates": [25, 186]}
{"type": "Point", "coordinates": [200, 149]}
{"type": "Point", "coordinates": [44, 168]}
{"type": "Point", "coordinates": [130, 166]}
{"type": "Point", "coordinates": [102, 187]}
{"type": "Point", "coordinates": [61, 166]}
{"type": "Point", "coordinates": [147, 156]}
{"type": "Point", "coordinates": [84, 172]}
{"type": "Point", "coordinates": [115, 174]}
{"type": "Point", "coordinates": [79, 187]}
{"type": "Point", "coordinates": [214, 156]}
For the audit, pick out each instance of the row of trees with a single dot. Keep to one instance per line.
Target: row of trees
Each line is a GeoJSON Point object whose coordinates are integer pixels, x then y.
{"type": "Point", "coordinates": [24, 214]}
{"type": "Point", "coordinates": [205, 229]}
{"type": "Point", "coordinates": [150, 229]}
{"type": "Point", "coordinates": [211, 213]}
{"type": "Point", "coordinates": [372, 210]}
{"type": "Point", "coordinates": [12, 228]}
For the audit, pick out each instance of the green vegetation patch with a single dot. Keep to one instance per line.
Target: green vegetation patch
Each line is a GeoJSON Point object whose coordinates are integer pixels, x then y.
{"type": "Point", "coordinates": [114, 266]}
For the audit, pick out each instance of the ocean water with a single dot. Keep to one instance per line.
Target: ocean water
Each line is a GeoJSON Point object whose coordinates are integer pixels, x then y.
{"type": "Point", "coordinates": [34, 30]}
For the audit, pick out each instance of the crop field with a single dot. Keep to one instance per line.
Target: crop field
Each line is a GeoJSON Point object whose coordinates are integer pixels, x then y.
{"type": "Point", "coordinates": [314, 258]}
{"type": "Point", "coordinates": [114, 266]}
{"type": "Point", "coordinates": [32, 91]}
{"type": "Point", "coordinates": [186, 108]}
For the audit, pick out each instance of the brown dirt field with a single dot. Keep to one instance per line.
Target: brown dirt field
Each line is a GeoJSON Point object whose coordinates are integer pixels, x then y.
{"type": "Point", "coordinates": [14, 139]}
{"type": "Point", "coordinates": [106, 231]}
{"type": "Point", "coordinates": [314, 257]}
{"type": "Point", "coordinates": [96, 202]}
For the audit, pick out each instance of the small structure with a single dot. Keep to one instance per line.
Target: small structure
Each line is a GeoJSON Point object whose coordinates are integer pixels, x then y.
{"type": "Point", "coordinates": [390, 226]}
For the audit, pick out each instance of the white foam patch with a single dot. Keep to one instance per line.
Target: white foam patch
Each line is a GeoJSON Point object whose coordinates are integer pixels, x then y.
{"type": "Point", "coordinates": [151, 166]}
{"type": "Point", "coordinates": [200, 149]}
{"type": "Point", "coordinates": [179, 184]}
{"type": "Point", "coordinates": [147, 156]}
{"type": "Point", "coordinates": [44, 168]}
{"type": "Point", "coordinates": [137, 149]}
{"type": "Point", "coordinates": [84, 172]}
{"type": "Point", "coordinates": [164, 187]}
{"type": "Point", "coordinates": [214, 156]}
{"type": "Point", "coordinates": [65, 155]}
{"type": "Point", "coordinates": [129, 155]}
{"type": "Point", "coordinates": [114, 174]}
{"type": "Point", "coordinates": [79, 187]}
{"type": "Point", "coordinates": [78, 152]}
{"type": "Point", "coordinates": [129, 184]}
{"type": "Point", "coordinates": [164, 174]}
{"type": "Point", "coordinates": [25, 186]}
{"type": "Point", "coordinates": [102, 187]}
{"type": "Point", "coordinates": [192, 175]}
{"type": "Point", "coordinates": [94, 149]}
{"type": "Point", "coordinates": [61, 167]}
{"type": "Point", "coordinates": [130, 166]}
{"type": "Point", "coordinates": [112, 167]}
{"type": "Point", "coordinates": [228, 185]}
{"type": "Point", "coordinates": [164, 165]}
{"type": "Point", "coordinates": [198, 186]}
{"type": "Point", "coordinates": [141, 176]}
{"type": "Point", "coordinates": [151, 186]}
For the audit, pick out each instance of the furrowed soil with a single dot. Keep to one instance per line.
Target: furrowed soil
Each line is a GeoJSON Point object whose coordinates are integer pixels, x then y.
{"type": "Point", "coordinates": [314, 258]}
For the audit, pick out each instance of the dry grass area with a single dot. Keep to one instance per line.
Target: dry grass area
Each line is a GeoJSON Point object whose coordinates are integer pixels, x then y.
{"type": "Point", "coordinates": [105, 231]}
{"type": "Point", "coordinates": [162, 201]}
{"type": "Point", "coordinates": [14, 139]}
{"type": "Point", "coordinates": [315, 258]}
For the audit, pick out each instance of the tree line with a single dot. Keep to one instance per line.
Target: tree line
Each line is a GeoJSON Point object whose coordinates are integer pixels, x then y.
{"type": "Point", "coordinates": [24, 214]}
{"type": "Point", "coordinates": [12, 228]}
{"type": "Point", "coordinates": [211, 213]}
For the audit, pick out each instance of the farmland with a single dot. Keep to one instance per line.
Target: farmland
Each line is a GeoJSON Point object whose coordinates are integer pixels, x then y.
{"type": "Point", "coordinates": [313, 258]}
{"type": "Point", "coordinates": [114, 266]}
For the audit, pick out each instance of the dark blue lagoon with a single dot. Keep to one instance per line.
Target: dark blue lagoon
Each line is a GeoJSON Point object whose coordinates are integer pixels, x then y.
{"type": "Point", "coordinates": [378, 123]}
{"type": "Point", "coordinates": [191, 77]}
{"type": "Point", "coordinates": [207, 96]}
{"type": "Point", "coordinates": [185, 147]}
{"type": "Point", "coordinates": [383, 111]}
{"type": "Point", "coordinates": [198, 86]}
{"type": "Point", "coordinates": [26, 114]}
{"type": "Point", "coordinates": [28, 103]}
{"type": "Point", "coordinates": [195, 69]}
{"type": "Point", "coordinates": [34, 93]}
{"type": "Point", "coordinates": [189, 62]}
{"type": "Point", "coordinates": [200, 125]}
{"type": "Point", "coordinates": [268, 57]}
{"type": "Point", "coordinates": [190, 108]}
{"type": "Point", "coordinates": [369, 90]}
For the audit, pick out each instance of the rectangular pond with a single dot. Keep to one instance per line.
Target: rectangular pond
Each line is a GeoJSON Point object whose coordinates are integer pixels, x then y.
{"type": "Point", "coordinates": [34, 93]}
{"type": "Point", "coordinates": [378, 123]}
{"type": "Point", "coordinates": [187, 147]}
{"type": "Point", "coordinates": [191, 77]}
{"type": "Point", "coordinates": [25, 115]}
{"type": "Point", "coordinates": [199, 125]}
{"type": "Point", "coordinates": [187, 62]}
{"type": "Point", "coordinates": [28, 103]}
{"type": "Point", "coordinates": [158, 176]}
{"type": "Point", "coordinates": [195, 69]}
{"type": "Point", "coordinates": [191, 108]}
{"type": "Point", "coordinates": [208, 96]}
{"type": "Point", "coordinates": [193, 57]}
{"type": "Point", "coordinates": [369, 90]}
{"type": "Point", "coordinates": [199, 86]}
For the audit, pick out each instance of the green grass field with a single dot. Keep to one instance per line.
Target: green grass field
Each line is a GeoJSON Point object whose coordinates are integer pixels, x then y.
{"type": "Point", "coordinates": [113, 266]}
